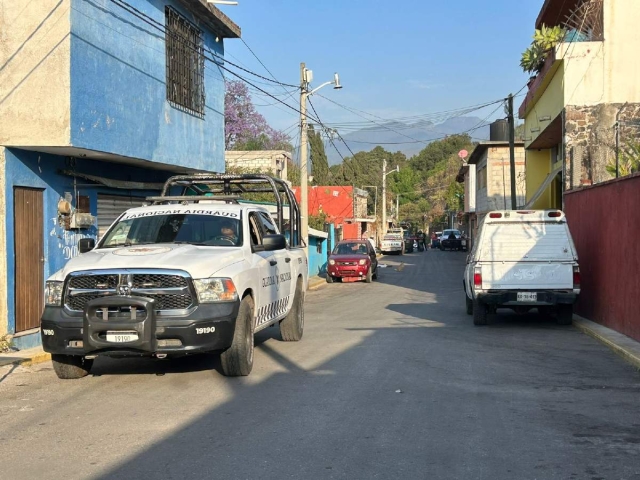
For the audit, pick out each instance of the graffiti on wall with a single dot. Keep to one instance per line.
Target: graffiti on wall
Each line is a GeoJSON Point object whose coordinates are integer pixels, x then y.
{"type": "Point", "coordinates": [68, 239]}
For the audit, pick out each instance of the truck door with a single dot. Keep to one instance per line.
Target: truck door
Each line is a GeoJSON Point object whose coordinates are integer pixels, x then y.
{"type": "Point", "coordinates": [264, 262]}
{"type": "Point", "coordinates": [282, 270]}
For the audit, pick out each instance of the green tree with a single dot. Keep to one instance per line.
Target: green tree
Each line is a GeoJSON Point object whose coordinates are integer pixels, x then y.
{"type": "Point", "coordinates": [319, 161]}
{"type": "Point", "coordinates": [438, 150]}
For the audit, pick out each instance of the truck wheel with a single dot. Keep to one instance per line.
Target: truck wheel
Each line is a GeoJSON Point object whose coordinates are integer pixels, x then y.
{"type": "Point", "coordinates": [292, 327]}
{"type": "Point", "coordinates": [479, 313]}
{"type": "Point", "coordinates": [70, 367]}
{"type": "Point", "coordinates": [329, 278]}
{"type": "Point", "coordinates": [469, 305]}
{"type": "Point", "coordinates": [369, 277]}
{"type": "Point", "coordinates": [237, 360]}
{"type": "Point", "coordinates": [564, 314]}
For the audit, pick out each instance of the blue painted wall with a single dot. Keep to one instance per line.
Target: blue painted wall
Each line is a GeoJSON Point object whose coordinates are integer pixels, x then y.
{"type": "Point", "coordinates": [118, 89]}
{"type": "Point", "coordinates": [318, 260]}
{"type": "Point", "coordinates": [37, 170]}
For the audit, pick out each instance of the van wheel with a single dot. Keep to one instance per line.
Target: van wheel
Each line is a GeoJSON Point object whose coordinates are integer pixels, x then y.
{"type": "Point", "coordinates": [469, 305]}
{"type": "Point", "coordinates": [375, 274]}
{"type": "Point", "coordinates": [237, 360]}
{"type": "Point", "coordinates": [564, 314]}
{"type": "Point", "coordinates": [480, 313]}
{"type": "Point", "coordinates": [69, 367]}
{"type": "Point", "coordinates": [369, 277]}
{"type": "Point", "coordinates": [292, 327]}
{"type": "Point", "coordinates": [329, 278]}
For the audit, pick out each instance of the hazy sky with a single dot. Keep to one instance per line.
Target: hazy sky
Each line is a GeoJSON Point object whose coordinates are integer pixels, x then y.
{"type": "Point", "coordinates": [395, 59]}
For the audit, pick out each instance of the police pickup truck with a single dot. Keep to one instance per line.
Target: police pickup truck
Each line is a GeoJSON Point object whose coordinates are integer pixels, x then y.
{"type": "Point", "coordinates": [200, 271]}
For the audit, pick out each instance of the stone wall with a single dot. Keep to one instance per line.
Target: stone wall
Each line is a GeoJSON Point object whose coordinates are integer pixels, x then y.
{"type": "Point", "coordinates": [590, 140]}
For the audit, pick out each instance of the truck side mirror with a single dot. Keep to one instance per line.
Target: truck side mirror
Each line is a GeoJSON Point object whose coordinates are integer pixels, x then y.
{"type": "Point", "coordinates": [86, 244]}
{"type": "Point", "coordinates": [274, 242]}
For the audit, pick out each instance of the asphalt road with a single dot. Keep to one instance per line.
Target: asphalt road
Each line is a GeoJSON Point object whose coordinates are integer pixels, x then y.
{"type": "Point", "coordinates": [391, 380]}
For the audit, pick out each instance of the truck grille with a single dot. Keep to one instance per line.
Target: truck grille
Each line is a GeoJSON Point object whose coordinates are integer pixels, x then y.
{"type": "Point", "coordinates": [170, 291]}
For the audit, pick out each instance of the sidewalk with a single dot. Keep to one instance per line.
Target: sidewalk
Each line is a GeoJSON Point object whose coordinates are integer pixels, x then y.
{"type": "Point", "coordinates": [27, 357]}
{"type": "Point", "coordinates": [624, 346]}
{"type": "Point", "coordinates": [316, 282]}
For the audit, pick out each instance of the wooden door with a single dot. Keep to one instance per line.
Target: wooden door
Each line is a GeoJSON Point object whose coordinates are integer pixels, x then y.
{"type": "Point", "coordinates": [28, 222]}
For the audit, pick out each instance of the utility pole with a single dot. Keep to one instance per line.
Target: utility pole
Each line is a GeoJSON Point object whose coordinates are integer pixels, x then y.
{"type": "Point", "coordinates": [512, 153]}
{"type": "Point", "coordinates": [398, 209]}
{"type": "Point", "coordinates": [384, 197]}
{"type": "Point", "coordinates": [304, 177]}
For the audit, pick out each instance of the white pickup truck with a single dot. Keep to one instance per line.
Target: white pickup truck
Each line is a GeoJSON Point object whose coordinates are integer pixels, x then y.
{"type": "Point", "coordinates": [392, 243]}
{"type": "Point", "coordinates": [196, 272]}
{"type": "Point", "coordinates": [522, 260]}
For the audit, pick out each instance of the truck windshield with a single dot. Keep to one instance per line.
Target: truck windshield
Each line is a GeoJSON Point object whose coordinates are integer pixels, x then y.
{"type": "Point", "coordinates": [211, 230]}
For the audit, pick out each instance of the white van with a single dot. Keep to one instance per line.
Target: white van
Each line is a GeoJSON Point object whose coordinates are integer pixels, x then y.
{"type": "Point", "coordinates": [522, 260]}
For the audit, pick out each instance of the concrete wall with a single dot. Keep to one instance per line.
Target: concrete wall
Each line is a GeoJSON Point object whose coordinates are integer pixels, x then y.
{"type": "Point", "coordinates": [317, 260]}
{"type": "Point", "coordinates": [499, 178]}
{"type": "Point", "coordinates": [118, 88]}
{"type": "Point", "coordinates": [35, 72]}
{"type": "Point", "coordinates": [274, 161]}
{"type": "Point", "coordinates": [470, 189]}
{"type": "Point", "coordinates": [609, 272]}
{"type": "Point", "coordinates": [482, 171]}
{"type": "Point", "coordinates": [622, 43]}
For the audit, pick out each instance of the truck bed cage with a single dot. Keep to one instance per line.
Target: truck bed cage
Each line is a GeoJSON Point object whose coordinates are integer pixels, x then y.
{"type": "Point", "coordinates": [232, 188]}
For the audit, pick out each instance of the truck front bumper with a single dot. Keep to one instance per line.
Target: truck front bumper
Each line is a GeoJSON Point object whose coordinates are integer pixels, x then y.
{"type": "Point", "coordinates": [208, 327]}
{"type": "Point", "coordinates": [544, 298]}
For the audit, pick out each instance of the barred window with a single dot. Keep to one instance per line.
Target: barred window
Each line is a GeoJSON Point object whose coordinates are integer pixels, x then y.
{"type": "Point", "coordinates": [185, 63]}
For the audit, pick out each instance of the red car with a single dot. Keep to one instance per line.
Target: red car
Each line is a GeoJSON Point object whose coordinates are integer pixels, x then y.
{"type": "Point", "coordinates": [352, 258]}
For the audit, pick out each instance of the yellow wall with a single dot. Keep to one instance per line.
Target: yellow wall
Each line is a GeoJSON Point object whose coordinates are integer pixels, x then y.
{"type": "Point", "coordinates": [538, 166]}
{"type": "Point", "coordinates": [35, 72]}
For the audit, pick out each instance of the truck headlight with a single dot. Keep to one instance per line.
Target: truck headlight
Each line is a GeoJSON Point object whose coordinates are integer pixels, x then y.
{"type": "Point", "coordinates": [53, 293]}
{"type": "Point", "coordinates": [211, 290]}
{"type": "Point", "coordinates": [363, 261]}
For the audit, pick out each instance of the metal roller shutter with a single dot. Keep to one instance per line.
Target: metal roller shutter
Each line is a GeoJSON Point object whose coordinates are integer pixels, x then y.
{"type": "Point", "coordinates": [111, 206]}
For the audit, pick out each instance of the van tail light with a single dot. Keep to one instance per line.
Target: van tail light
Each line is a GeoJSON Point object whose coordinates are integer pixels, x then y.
{"type": "Point", "coordinates": [555, 214]}
{"type": "Point", "coordinates": [495, 215]}
{"type": "Point", "coordinates": [576, 278]}
{"type": "Point", "coordinates": [477, 277]}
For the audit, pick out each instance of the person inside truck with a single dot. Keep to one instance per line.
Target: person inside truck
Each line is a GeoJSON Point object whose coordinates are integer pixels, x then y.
{"type": "Point", "coordinates": [228, 232]}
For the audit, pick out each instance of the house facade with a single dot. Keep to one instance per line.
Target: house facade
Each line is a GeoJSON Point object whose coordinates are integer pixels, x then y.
{"type": "Point", "coordinates": [100, 103]}
{"type": "Point", "coordinates": [468, 219]}
{"type": "Point", "coordinates": [583, 107]}
{"type": "Point", "coordinates": [274, 161]}
{"type": "Point", "coordinates": [345, 207]}
{"type": "Point", "coordinates": [491, 160]}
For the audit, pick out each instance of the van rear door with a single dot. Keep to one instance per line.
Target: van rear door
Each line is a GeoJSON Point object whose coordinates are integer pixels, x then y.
{"type": "Point", "coordinates": [521, 255]}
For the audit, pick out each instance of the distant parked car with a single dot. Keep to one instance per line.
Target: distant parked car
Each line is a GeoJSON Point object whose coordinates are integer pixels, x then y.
{"type": "Point", "coordinates": [451, 240]}
{"type": "Point", "coordinates": [352, 258]}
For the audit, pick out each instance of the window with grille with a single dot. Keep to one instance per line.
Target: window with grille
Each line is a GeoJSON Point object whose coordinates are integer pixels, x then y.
{"type": "Point", "coordinates": [185, 63]}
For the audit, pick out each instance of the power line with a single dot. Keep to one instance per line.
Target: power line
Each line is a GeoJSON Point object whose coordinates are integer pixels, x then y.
{"type": "Point", "coordinates": [156, 25]}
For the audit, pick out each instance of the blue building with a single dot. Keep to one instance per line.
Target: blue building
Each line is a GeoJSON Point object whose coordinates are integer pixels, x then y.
{"type": "Point", "coordinates": [100, 101]}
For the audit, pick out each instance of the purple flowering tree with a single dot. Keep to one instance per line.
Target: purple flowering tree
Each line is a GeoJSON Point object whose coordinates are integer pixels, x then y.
{"type": "Point", "coordinates": [244, 127]}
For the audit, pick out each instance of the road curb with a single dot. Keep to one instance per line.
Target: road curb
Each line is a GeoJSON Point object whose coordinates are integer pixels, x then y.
{"type": "Point", "coordinates": [316, 284]}
{"type": "Point", "coordinates": [624, 346]}
{"type": "Point", "coordinates": [25, 360]}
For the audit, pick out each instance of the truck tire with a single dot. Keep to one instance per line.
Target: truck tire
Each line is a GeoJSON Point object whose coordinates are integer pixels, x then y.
{"type": "Point", "coordinates": [469, 305]}
{"type": "Point", "coordinates": [292, 327]}
{"type": "Point", "coordinates": [480, 313]}
{"type": "Point", "coordinates": [68, 367]}
{"type": "Point", "coordinates": [564, 314]}
{"type": "Point", "coordinates": [237, 360]}
{"type": "Point", "coordinates": [369, 277]}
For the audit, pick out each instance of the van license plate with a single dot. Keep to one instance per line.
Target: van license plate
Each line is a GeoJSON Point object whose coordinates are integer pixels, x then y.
{"type": "Point", "coordinates": [121, 337]}
{"type": "Point", "coordinates": [527, 297]}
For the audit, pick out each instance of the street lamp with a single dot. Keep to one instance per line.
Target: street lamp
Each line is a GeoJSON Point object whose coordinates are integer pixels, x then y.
{"type": "Point", "coordinates": [306, 77]}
